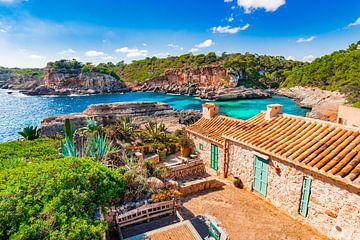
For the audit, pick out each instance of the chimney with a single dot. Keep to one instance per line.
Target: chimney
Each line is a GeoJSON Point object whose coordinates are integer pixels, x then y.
{"type": "Point", "coordinates": [210, 110]}
{"type": "Point", "coordinates": [273, 110]}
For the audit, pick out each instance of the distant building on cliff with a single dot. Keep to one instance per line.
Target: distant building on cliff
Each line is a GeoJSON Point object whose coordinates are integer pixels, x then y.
{"type": "Point", "coordinates": [306, 167]}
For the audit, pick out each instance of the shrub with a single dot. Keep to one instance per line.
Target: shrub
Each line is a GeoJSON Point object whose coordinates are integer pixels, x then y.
{"type": "Point", "coordinates": [56, 199]}
{"type": "Point", "coordinates": [165, 195]}
{"type": "Point", "coordinates": [19, 153]}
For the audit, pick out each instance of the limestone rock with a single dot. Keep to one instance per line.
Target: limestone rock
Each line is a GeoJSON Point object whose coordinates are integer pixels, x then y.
{"type": "Point", "coordinates": [106, 114]}
{"type": "Point", "coordinates": [155, 183]}
{"type": "Point", "coordinates": [323, 104]}
{"type": "Point", "coordinates": [208, 82]}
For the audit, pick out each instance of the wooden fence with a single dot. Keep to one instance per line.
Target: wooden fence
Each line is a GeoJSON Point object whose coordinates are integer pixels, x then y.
{"type": "Point", "coordinates": [146, 213]}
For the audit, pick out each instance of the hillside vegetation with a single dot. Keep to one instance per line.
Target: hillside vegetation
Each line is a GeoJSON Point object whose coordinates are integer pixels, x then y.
{"type": "Point", "coordinates": [255, 70]}
{"type": "Point", "coordinates": [23, 71]}
{"type": "Point", "coordinates": [339, 70]}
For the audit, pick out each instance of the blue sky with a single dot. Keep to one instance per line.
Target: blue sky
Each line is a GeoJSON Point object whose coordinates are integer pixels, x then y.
{"type": "Point", "coordinates": [33, 32]}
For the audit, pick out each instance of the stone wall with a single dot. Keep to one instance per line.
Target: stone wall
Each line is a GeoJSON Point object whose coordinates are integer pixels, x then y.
{"type": "Point", "coordinates": [332, 210]}
{"type": "Point", "coordinates": [206, 153]}
{"type": "Point", "coordinates": [185, 170]}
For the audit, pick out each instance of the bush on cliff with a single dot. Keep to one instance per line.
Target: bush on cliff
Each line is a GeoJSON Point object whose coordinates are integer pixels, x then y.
{"type": "Point", "coordinates": [339, 70]}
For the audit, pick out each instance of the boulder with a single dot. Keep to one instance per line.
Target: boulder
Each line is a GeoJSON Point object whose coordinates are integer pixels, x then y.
{"type": "Point", "coordinates": [155, 183]}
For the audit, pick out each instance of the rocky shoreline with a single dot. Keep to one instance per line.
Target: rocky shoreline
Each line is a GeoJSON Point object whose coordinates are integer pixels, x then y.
{"type": "Point", "coordinates": [323, 104]}
{"type": "Point", "coordinates": [208, 93]}
{"type": "Point", "coordinates": [107, 114]}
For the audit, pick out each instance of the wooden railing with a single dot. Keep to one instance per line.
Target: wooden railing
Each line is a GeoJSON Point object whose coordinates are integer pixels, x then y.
{"type": "Point", "coordinates": [146, 213]}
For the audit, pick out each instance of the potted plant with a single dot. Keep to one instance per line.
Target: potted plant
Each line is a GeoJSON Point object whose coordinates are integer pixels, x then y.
{"type": "Point", "coordinates": [237, 182]}
{"type": "Point", "coordinates": [185, 143]}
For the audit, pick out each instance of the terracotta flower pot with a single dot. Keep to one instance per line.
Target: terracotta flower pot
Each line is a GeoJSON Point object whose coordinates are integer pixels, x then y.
{"type": "Point", "coordinates": [185, 152]}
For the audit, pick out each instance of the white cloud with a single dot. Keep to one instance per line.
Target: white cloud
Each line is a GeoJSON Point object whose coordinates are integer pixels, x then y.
{"type": "Point", "coordinates": [132, 52]}
{"type": "Point", "coordinates": [194, 50]}
{"type": "Point", "coordinates": [4, 28]}
{"type": "Point", "coordinates": [34, 56]}
{"type": "Point", "coordinates": [231, 18]}
{"type": "Point", "coordinates": [205, 44]}
{"type": "Point", "coordinates": [291, 58]}
{"type": "Point", "coordinates": [144, 44]}
{"type": "Point", "coordinates": [228, 1]}
{"type": "Point", "coordinates": [308, 58]}
{"type": "Point", "coordinates": [309, 39]}
{"type": "Point", "coordinates": [67, 52]}
{"type": "Point", "coordinates": [175, 46]}
{"type": "Point", "coordinates": [108, 57]}
{"type": "Point", "coordinates": [228, 29]}
{"type": "Point", "coordinates": [233, 7]}
{"type": "Point", "coordinates": [8, 1]}
{"type": "Point", "coordinates": [357, 22]}
{"type": "Point", "coordinates": [268, 5]}
{"type": "Point", "coordinates": [93, 53]}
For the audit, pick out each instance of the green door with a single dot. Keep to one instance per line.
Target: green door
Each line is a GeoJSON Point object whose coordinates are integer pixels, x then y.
{"type": "Point", "coordinates": [214, 157]}
{"type": "Point", "coordinates": [261, 170]}
{"type": "Point", "coordinates": [305, 196]}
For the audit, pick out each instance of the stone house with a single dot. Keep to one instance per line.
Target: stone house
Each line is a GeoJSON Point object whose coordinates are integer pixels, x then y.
{"type": "Point", "coordinates": [306, 167]}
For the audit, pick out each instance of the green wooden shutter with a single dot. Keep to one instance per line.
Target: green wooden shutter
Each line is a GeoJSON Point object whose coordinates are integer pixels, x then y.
{"type": "Point", "coordinates": [214, 157]}
{"type": "Point", "coordinates": [305, 196]}
{"type": "Point", "coordinates": [201, 147]}
{"type": "Point", "coordinates": [261, 169]}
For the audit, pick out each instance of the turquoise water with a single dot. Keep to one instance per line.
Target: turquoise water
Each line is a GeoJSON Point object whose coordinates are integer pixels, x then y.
{"type": "Point", "coordinates": [18, 111]}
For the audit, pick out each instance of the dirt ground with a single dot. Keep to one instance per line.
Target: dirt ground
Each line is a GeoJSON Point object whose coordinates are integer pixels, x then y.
{"type": "Point", "coordinates": [246, 216]}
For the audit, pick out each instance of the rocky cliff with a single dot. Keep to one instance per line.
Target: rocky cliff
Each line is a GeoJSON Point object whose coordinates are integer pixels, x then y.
{"type": "Point", "coordinates": [74, 81]}
{"type": "Point", "coordinates": [106, 114]}
{"type": "Point", "coordinates": [209, 82]}
{"type": "Point", "coordinates": [18, 81]}
{"type": "Point", "coordinates": [323, 104]}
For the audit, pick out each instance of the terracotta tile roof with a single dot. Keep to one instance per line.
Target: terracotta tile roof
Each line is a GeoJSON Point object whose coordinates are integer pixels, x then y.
{"type": "Point", "coordinates": [183, 230]}
{"type": "Point", "coordinates": [214, 128]}
{"type": "Point", "coordinates": [331, 149]}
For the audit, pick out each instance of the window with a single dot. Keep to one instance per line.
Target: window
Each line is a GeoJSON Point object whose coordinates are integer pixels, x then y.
{"type": "Point", "coordinates": [201, 147]}
{"type": "Point", "coordinates": [214, 157]}
{"type": "Point", "coordinates": [305, 196]}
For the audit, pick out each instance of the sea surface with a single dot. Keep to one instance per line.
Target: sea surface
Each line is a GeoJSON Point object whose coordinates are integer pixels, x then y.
{"type": "Point", "coordinates": [18, 111]}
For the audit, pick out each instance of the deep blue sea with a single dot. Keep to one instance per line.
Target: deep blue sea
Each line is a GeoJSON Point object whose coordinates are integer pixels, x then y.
{"type": "Point", "coordinates": [18, 111]}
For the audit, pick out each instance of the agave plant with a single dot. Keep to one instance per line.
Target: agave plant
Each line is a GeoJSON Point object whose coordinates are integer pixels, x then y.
{"type": "Point", "coordinates": [129, 161]}
{"type": "Point", "coordinates": [30, 133]}
{"type": "Point", "coordinates": [69, 129]}
{"type": "Point", "coordinates": [91, 126]}
{"type": "Point", "coordinates": [68, 148]}
{"type": "Point", "coordinates": [155, 132]}
{"type": "Point", "coordinates": [98, 147]}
